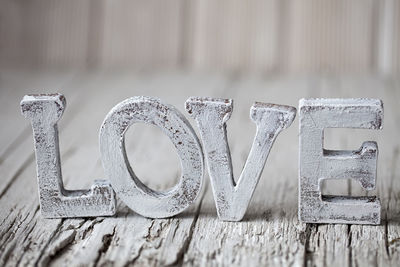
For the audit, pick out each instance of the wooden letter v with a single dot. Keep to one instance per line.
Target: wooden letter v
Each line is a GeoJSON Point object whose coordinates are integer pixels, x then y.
{"type": "Point", "coordinates": [211, 114]}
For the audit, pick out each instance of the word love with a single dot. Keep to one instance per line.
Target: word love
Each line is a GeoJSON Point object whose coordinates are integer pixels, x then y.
{"type": "Point", "coordinates": [211, 115]}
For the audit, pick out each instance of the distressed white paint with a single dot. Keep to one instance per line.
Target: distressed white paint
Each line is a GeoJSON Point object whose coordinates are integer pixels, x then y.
{"type": "Point", "coordinates": [44, 111]}
{"type": "Point", "coordinates": [317, 164]}
{"type": "Point", "coordinates": [127, 185]}
{"type": "Point", "coordinates": [211, 114]}
{"type": "Point", "coordinates": [271, 234]}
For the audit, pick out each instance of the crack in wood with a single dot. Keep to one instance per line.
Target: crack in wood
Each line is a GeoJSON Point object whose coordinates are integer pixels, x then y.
{"type": "Point", "coordinates": [269, 244]}
{"type": "Point", "coordinates": [106, 240]}
{"type": "Point", "coordinates": [9, 251]}
{"type": "Point", "coordinates": [53, 234]}
{"type": "Point", "coordinates": [387, 238]}
{"type": "Point", "coordinates": [60, 249]}
{"type": "Point", "coordinates": [181, 253]}
{"type": "Point", "coordinates": [349, 238]}
{"type": "Point", "coordinates": [13, 229]}
{"type": "Point", "coordinates": [306, 241]}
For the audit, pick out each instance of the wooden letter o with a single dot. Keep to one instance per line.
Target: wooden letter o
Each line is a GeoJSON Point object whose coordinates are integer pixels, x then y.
{"type": "Point", "coordinates": [130, 189]}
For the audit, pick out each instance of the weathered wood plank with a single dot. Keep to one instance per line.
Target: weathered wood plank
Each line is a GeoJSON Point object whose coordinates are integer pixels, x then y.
{"type": "Point", "coordinates": [140, 34]}
{"type": "Point", "coordinates": [233, 35]}
{"type": "Point", "coordinates": [331, 35]}
{"type": "Point", "coordinates": [290, 36]}
{"type": "Point", "coordinates": [44, 33]}
{"type": "Point", "coordinates": [388, 43]}
{"type": "Point", "coordinates": [270, 234]}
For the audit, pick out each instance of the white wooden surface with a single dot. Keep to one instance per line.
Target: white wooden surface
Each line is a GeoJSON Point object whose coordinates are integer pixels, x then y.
{"type": "Point", "coordinates": [358, 36]}
{"type": "Point", "coordinates": [270, 233]}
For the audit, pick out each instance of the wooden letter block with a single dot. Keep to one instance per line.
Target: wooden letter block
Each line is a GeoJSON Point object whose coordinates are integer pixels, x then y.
{"type": "Point", "coordinates": [211, 115]}
{"type": "Point", "coordinates": [44, 111]}
{"type": "Point", "coordinates": [317, 164]}
{"type": "Point", "coordinates": [127, 185]}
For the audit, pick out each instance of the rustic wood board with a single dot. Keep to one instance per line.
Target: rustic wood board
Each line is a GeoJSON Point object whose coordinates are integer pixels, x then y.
{"type": "Point", "coordinates": [270, 233]}
{"type": "Point", "coordinates": [357, 36]}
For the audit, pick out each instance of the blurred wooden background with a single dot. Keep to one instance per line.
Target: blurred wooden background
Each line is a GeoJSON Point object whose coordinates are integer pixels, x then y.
{"type": "Point", "coordinates": [340, 36]}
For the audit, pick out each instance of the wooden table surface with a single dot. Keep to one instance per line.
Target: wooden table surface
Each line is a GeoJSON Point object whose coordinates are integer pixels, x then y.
{"type": "Point", "coordinates": [270, 233]}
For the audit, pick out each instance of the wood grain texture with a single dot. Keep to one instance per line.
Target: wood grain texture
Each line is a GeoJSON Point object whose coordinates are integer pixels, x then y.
{"type": "Point", "coordinates": [389, 37]}
{"type": "Point", "coordinates": [44, 33]}
{"type": "Point", "coordinates": [142, 34]}
{"type": "Point", "coordinates": [233, 35]}
{"type": "Point", "coordinates": [270, 233]}
{"type": "Point", "coordinates": [323, 35]}
{"type": "Point", "coordinates": [354, 36]}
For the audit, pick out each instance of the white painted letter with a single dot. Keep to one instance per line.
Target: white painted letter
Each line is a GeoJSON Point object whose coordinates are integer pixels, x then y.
{"type": "Point", "coordinates": [56, 202]}
{"type": "Point", "coordinates": [317, 164]}
{"type": "Point", "coordinates": [211, 115]}
{"type": "Point", "coordinates": [127, 185]}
